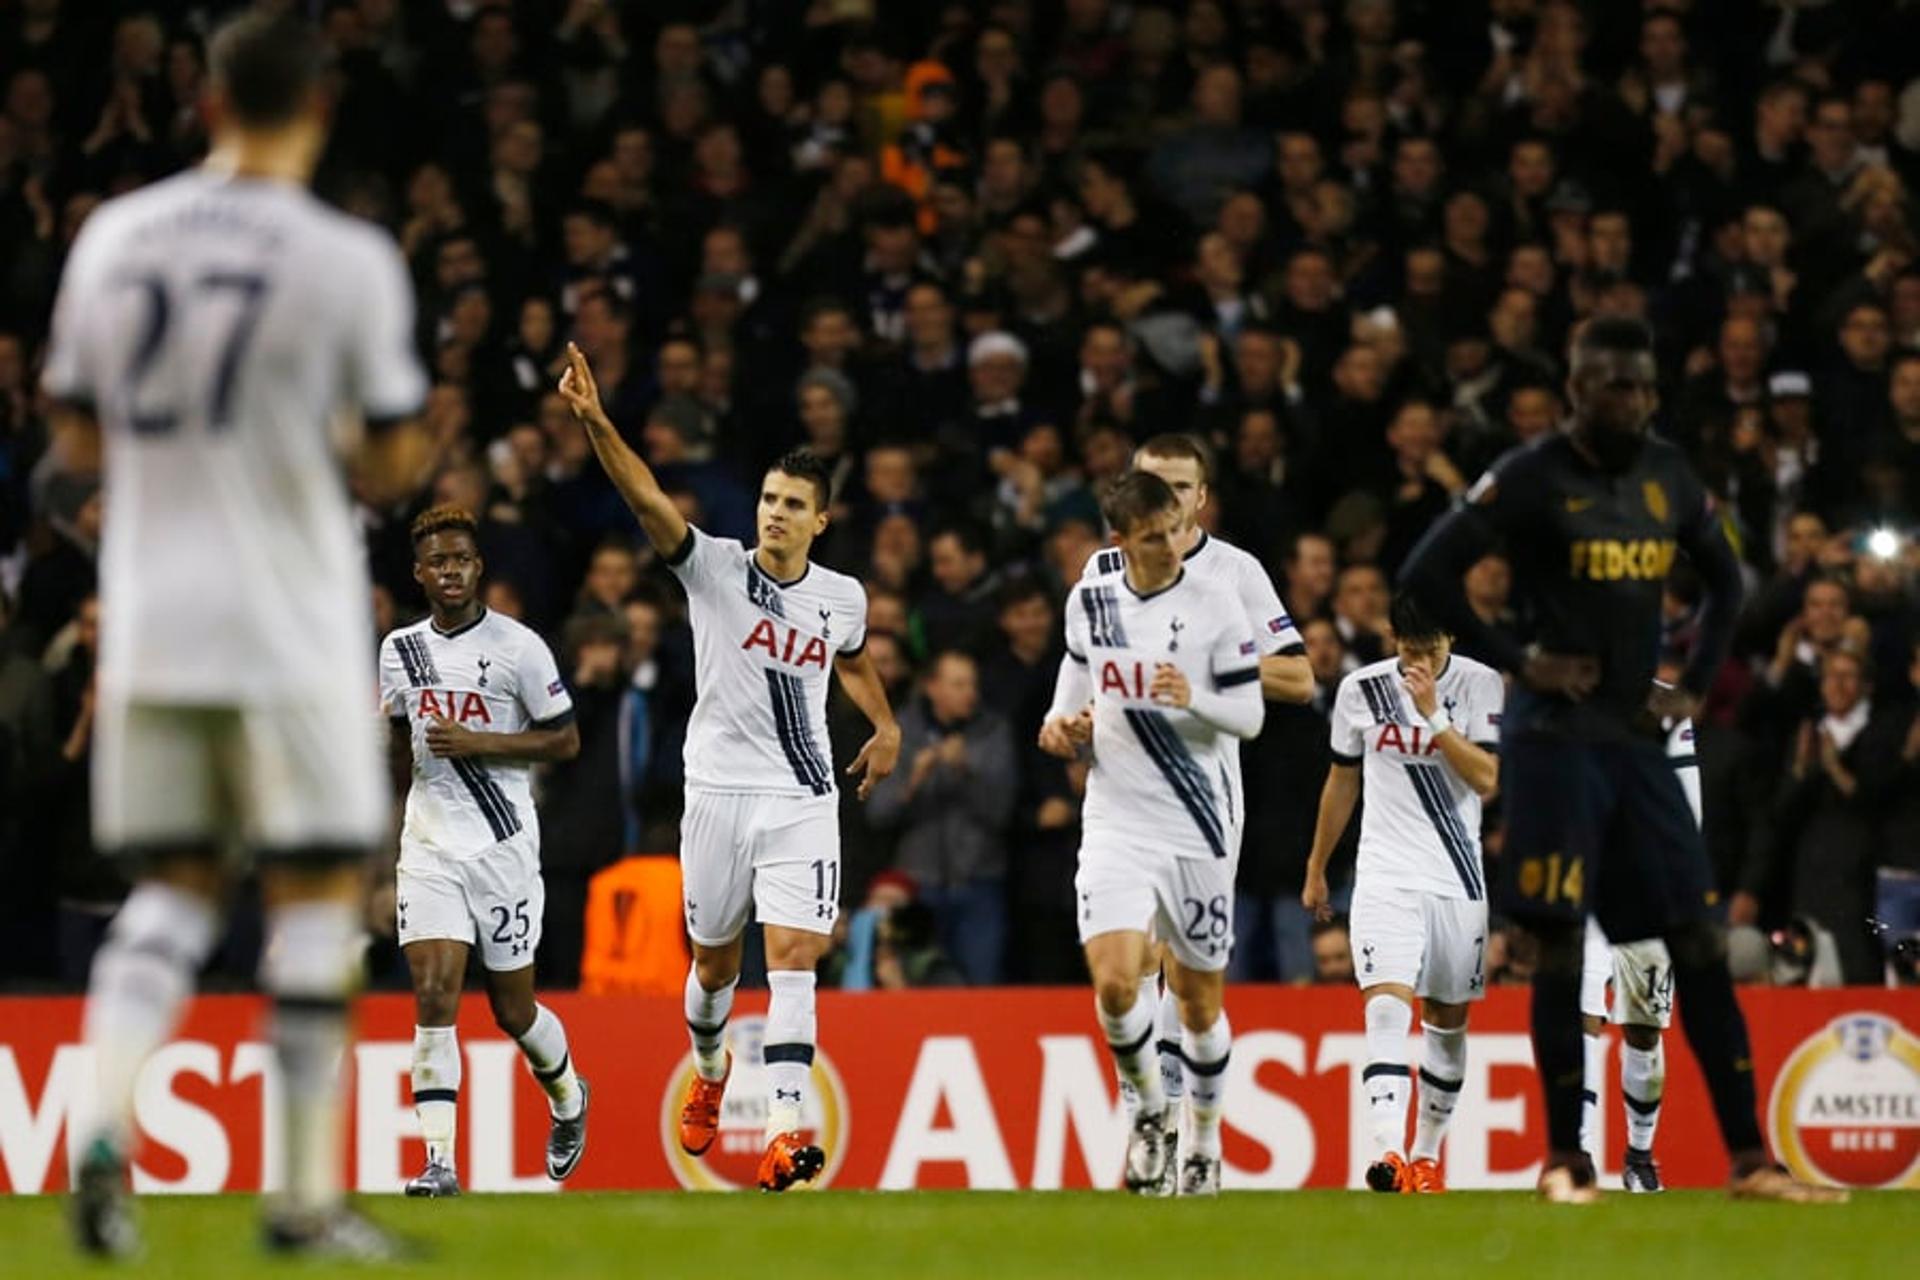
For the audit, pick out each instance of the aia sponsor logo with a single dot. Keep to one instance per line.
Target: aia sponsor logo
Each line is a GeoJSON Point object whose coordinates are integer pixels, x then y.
{"type": "Point", "coordinates": [792, 648]}
{"type": "Point", "coordinates": [1846, 1105]}
{"type": "Point", "coordinates": [734, 1158]}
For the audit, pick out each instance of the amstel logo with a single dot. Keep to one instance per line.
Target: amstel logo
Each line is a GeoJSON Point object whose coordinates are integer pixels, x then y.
{"type": "Point", "coordinates": [733, 1159]}
{"type": "Point", "coordinates": [1846, 1106]}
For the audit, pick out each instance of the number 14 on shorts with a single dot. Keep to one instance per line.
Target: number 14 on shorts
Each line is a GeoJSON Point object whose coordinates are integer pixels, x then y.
{"type": "Point", "coordinates": [1554, 878]}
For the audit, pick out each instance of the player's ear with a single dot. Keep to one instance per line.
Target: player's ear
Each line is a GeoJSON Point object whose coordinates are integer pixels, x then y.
{"type": "Point", "coordinates": [419, 571]}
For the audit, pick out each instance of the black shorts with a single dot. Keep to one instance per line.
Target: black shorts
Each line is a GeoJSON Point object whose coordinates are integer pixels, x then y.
{"type": "Point", "coordinates": [1601, 828]}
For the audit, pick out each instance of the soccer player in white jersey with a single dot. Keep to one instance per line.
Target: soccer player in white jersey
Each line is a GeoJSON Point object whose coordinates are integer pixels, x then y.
{"type": "Point", "coordinates": [762, 824]}
{"type": "Point", "coordinates": [1182, 462]}
{"type": "Point", "coordinates": [474, 701]}
{"type": "Point", "coordinates": [211, 328]}
{"type": "Point", "coordinates": [1161, 677]}
{"type": "Point", "coordinates": [1420, 732]}
{"type": "Point", "coordinates": [1641, 1001]}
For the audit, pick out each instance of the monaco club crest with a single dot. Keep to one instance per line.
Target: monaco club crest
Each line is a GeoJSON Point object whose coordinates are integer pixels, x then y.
{"type": "Point", "coordinates": [730, 1164]}
{"type": "Point", "coordinates": [1846, 1105]}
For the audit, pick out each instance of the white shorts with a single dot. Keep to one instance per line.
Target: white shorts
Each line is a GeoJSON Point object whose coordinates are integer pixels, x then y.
{"type": "Point", "coordinates": [275, 778]}
{"type": "Point", "coordinates": [1434, 944]}
{"type": "Point", "coordinates": [1185, 902]}
{"type": "Point", "coordinates": [778, 854]}
{"type": "Point", "coordinates": [494, 901]}
{"type": "Point", "coordinates": [1642, 977]}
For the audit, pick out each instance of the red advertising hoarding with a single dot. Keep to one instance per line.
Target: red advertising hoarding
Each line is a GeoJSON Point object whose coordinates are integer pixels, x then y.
{"type": "Point", "coordinates": [987, 1089]}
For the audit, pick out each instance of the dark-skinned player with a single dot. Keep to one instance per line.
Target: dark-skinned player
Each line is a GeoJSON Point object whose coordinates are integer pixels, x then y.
{"type": "Point", "coordinates": [474, 701]}
{"type": "Point", "coordinates": [1592, 518]}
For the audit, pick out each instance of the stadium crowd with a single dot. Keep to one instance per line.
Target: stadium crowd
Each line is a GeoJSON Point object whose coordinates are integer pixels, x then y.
{"type": "Point", "coordinates": [971, 254]}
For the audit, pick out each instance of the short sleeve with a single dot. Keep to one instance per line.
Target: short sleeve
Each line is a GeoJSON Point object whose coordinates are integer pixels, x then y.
{"type": "Point", "coordinates": [1502, 497]}
{"type": "Point", "coordinates": [700, 559]}
{"type": "Point", "coordinates": [1076, 625]}
{"type": "Point", "coordinates": [1272, 626]}
{"type": "Point", "coordinates": [1489, 698]}
{"type": "Point", "coordinates": [68, 375]}
{"type": "Point", "coordinates": [393, 681]}
{"type": "Point", "coordinates": [542, 692]}
{"type": "Point", "coordinates": [1236, 653]}
{"type": "Point", "coordinates": [383, 371]}
{"type": "Point", "coordinates": [856, 638]}
{"type": "Point", "coordinates": [1347, 732]}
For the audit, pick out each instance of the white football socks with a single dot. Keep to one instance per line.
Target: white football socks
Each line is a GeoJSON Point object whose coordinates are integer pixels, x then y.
{"type": "Point", "coordinates": [788, 1050]}
{"type": "Point", "coordinates": [707, 1013]}
{"type": "Point", "coordinates": [1130, 1037]}
{"type": "Point", "coordinates": [311, 965]}
{"type": "Point", "coordinates": [436, 1089]}
{"type": "Point", "coordinates": [1592, 1076]}
{"type": "Point", "coordinates": [1643, 1079]}
{"type": "Point", "coordinates": [1205, 1066]}
{"type": "Point", "coordinates": [1443, 1069]}
{"type": "Point", "coordinates": [545, 1045]}
{"type": "Point", "coordinates": [1387, 1078]}
{"type": "Point", "coordinates": [1168, 1034]}
{"type": "Point", "coordinates": [142, 977]}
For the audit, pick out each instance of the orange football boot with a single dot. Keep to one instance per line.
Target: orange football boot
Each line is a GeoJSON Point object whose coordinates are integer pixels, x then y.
{"type": "Point", "coordinates": [700, 1111]}
{"type": "Point", "coordinates": [789, 1159]}
{"type": "Point", "coordinates": [1423, 1178]}
{"type": "Point", "coordinates": [1389, 1173]}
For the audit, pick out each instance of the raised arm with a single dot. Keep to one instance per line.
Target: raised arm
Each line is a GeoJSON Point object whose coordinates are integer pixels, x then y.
{"type": "Point", "coordinates": [659, 519]}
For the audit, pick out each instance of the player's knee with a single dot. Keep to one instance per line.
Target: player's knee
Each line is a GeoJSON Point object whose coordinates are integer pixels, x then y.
{"type": "Point", "coordinates": [715, 967]}
{"type": "Point", "coordinates": [1698, 944]}
{"type": "Point", "coordinates": [436, 996]}
{"type": "Point", "coordinates": [1642, 1038]}
{"type": "Point", "coordinates": [512, 1011]}
{"type": "Point", "coordinates": [1116, 992]}
{"type": "Point", "coordinates": [795, 949]}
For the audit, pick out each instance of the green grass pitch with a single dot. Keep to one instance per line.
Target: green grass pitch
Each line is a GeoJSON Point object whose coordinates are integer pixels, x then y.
{"type": "Point", "coordinates": [1088, 1236]}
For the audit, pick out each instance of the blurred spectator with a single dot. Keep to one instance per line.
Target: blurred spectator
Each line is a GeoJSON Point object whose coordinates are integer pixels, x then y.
{"type": "Point", "coordinates": [1845, 759]}
{"type": "Point", "coordinates": [890, 943]}
{"type": "Point", "coordinates": [951, 801]}
{"type": "Point", "coordinates": [1332, 953]}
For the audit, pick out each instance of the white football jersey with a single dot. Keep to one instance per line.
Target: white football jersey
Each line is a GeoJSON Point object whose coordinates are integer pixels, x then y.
{"type": "Point", "coordinates": [1686, 765]}
{"type": "Point", "coordinates": [1420, 824]}
{"type": "Point", "coordinates": [762, 659]}
{"type": "Point", "coordinates": [1243, 576]}
{"type": "Point", "coordinates": [1162, 777]}
{"type": "Point", "coordinates": [217, 328]}
{"type": "Point", "coordinates": [492, 676]}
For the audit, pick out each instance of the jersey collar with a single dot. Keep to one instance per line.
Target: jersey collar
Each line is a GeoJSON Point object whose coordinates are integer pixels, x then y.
{"type": "Point", "coordinates": [1178, 578]}
{"type": "Point", "coordinates": [753, 558]}
{"type": "Point", "coordinates": [459, 631]}
{"type": "Point", "coordinates": [1197, 547]}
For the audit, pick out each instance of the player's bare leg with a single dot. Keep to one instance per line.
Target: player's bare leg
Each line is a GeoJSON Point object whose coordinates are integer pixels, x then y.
{"type": "Point", "coordinates": [792, 955]}
{"type": "Point", "coordinates": [141, 981]}
{"type": "Point", "coordinates": [311, 968]}
{"type": "Point", "coordinates": [711, 981]}
{"type": "Point", "coordinates": [1115, 960]}
{"type": "Point", "coordinates": [1206, 1040]}
{"type": "Point", "coordinates": [543, 1042]}
{"type": "Point", "coordinates": [438, 967]}
{"type": "Point", "coordinates": [1388, 1080]}
{"type": "Point", "coordinates": [1716, 1031]}
{"type": "Point", "coordinates": [1443, 1067]}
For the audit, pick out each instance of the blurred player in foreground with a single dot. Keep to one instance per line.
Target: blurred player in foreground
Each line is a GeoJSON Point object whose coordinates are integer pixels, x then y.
{"type": "Point", "coordinates": [1593, 517]}
{"type": "Point", "coordinates": [1632, 985]}
{"type": "Point", "coordinates": [1284, 677]}
{"type": "Point", "coordinates": [1161, 674]}
{"type": "Point", "coordinates": [1422, 731]}
{"type": "Point", "coordinates": [473, 701]}
{"type": "Point", "coordinates": [762, 823]}
{"type": "Point", "coordinates": [210, 327]}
